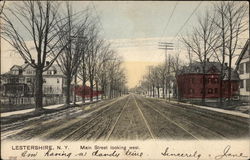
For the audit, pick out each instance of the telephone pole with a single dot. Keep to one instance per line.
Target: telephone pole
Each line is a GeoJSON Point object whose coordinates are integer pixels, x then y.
{"type": "Point", "coordinates": [167, 46]}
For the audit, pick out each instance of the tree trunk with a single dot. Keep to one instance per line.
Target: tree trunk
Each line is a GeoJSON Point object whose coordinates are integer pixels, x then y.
{"type": "Point", "coordinates": [153, 91]}
{"type": "Point", "coordinates": [163, 91]}
{"type": "Point", "coordinates": [68, 81]}
{"type": "Point", "coordinates": [91, 90]}
{"type": "Point", "coordinates": [97, 97]}
{"type": "Point", "coordinates": [229, 80]}
{"type": "Point", "coordinates": [203, 87]}
{"type": "Point", "coordinates": [103, 91]}
{"type": "Point", "coordinates": [75, 83]}
{"type": "Point", "coordinates": [223, 58]}
{"type": "Point", "coordinates": [83, 90]}
{"type": "Point", "coordinates": [166, 91]}
{"type": "Point", "coordinates": [158, 92]}
{"type": "Point", "coordinates": [39, 90]}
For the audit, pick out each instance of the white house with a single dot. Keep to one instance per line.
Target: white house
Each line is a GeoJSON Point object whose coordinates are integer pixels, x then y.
{"type": "Point", "coordinates": [243, 68]}
{"type": "Point", "coordinates": [24, 76]}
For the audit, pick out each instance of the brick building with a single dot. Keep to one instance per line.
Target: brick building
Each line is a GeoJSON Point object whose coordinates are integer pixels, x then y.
{"type": "Point", "coordinates": [190, 81]}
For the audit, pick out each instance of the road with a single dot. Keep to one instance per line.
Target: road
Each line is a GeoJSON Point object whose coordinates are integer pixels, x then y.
{"type": "Point", "coordinates": [131, 117]}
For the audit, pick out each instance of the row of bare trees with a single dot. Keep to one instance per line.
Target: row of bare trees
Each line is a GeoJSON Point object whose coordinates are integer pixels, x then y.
{"type": "Point", "coordinates": [44, 31]}
{"type": "Point", "coordinates": [216, 36]}
{"type": "Point", "coordinates": [161, 77]}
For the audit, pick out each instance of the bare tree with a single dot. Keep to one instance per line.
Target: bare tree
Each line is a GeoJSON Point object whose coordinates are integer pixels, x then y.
{"type": "Point", "coordinates": [95, 45]}
{"type": "Point", "coordinates": [39, 23]}
{"type": "Point", "coordinates": [237, 21]}
{"type": "Point", "coordinates": [69, 60]}
{"type": "Point", "coordinates": [201, 42]}
{"type": "Point", "coordinates": [175, 66]}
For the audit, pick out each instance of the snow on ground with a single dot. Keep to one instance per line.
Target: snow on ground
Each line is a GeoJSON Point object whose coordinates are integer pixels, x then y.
{"type": "Point", "coordinates": [6, 114]}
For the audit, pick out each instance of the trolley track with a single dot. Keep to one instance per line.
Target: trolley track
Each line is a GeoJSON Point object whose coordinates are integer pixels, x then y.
{"type": "Point", "coordinates": [167, 127]}
{"type": "Point", "coordinates": [199, 124]}
{"type": "Point", "coordinates": [98, 121]}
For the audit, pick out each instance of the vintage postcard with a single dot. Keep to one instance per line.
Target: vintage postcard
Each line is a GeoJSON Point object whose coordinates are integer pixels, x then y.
{"type": "Point", "coordinates": [149, 80]}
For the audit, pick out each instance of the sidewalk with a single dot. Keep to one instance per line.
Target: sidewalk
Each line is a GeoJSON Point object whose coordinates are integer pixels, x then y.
{"type": "Point", "coordinates": [6, 114]}
{"type": "Point", "coordinates": [230, 112]}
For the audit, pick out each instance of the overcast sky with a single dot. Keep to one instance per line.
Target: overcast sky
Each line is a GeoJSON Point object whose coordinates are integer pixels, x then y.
{"type": "Point", "coordinates": [134, 28]}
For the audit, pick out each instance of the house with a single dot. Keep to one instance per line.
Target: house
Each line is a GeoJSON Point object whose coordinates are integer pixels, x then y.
{"type": "Point", "coordinates": [20, 81]}
{"type": "Point", "coordinates": [243, 68]}
{"type": "Point", "coordinates": [190, 81]}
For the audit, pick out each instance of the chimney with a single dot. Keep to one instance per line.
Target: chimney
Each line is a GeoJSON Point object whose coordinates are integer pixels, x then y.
{"type": "Point", "coordinates": [47, 63]}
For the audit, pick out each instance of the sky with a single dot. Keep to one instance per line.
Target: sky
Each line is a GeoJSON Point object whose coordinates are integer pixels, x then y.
{"type": "Point", "coordinates": [134, 29]}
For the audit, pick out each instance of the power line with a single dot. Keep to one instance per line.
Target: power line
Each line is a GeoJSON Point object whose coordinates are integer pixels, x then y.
{"type": "Point", "coordinates": [98, 17]}
{"type": "Point", "coordinates": [169, 19]}
{"type": "Point", "coordinates": [187, 20]}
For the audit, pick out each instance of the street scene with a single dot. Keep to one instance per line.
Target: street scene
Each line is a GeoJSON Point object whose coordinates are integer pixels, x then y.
{"type": "Point", "coordinates": [127, 70]}
{"type": "Point", "coordinates": [131, 117]}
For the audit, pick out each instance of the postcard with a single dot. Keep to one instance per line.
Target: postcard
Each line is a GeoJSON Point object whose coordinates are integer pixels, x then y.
{"type": "Point", "coordinates": [137, 80]}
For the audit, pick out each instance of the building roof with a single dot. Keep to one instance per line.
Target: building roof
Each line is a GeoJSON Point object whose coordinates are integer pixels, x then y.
{"type": "Point", "coordinates": [211, 68]}
{"type": "Point", "coordinates": [25, 65]}
{"type": "Point", "coordinates": [17, 66]}
{"type": "Point", "coordinates": [243, 54]}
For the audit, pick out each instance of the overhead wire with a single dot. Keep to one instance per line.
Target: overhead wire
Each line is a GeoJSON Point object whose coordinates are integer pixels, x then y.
{"type": "Point", "coordinates": [169, 19]}
{"type": "Point", "coordinates": [187, 20]}
{"type": "Point", "coordinates": [98, 17]}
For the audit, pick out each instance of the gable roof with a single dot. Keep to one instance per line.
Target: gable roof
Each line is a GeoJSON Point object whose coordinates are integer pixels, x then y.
{"type": "Point", "coordinates": [210, 68]}
{"type": "Point", "coordinates": [17, 66]}
{"type": "Point", "coordinates": [243, 54]}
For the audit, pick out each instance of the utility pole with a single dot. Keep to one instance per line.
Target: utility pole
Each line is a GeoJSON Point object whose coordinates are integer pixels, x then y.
{"type": "Point", "coordinates": [167, 46]}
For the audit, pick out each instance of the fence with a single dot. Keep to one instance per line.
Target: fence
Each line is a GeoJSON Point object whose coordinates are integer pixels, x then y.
{"type": "Point", "coordinates": [47, 100]}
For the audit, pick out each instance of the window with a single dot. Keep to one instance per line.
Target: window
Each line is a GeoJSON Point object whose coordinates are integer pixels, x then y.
{"type": "Point", "coordinates": [201, 80]}
{"type": "Point", "coordinates": [58, 81]}
{"type": "Point", "coordinates": [28, 80]}
{"type": "Point", "coordinates": [209, 80]}
{"type": "Point", "coordinates": [201, 91]}
{"type": "Point", "coordinates": [44, 80]}
{"type": "Point", "coordinates": [193, 81]}
{"type": "Point", "coordinates": [248, 85]}
{"type": "Point", "coordinates": [241, 68]}
{"type": "Point", "coordinates": [216, 90]}
{"type": "Point", "coordinates": [215, 80]}
{"type": "Point", "coordinates": [197, 70]}
{"type": "Point", "coordinates": [191, 91]}
{"type": "Point", "coordinates": [241, 83]}
{"type": "Point", "coordinates": [29, 72]}
{"type": "Point", "coordinates": [210, 91]}
{"type": "Point", "coordinates": [49, 72]}
{"type": "Point", "coordinates": [247, 67]}
{"type": "Point", "coordinates": [235, 88]}
{"type": "Point", "coordinates": [50, 89]}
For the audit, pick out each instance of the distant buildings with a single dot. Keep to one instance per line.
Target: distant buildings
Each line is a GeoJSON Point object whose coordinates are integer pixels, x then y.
{"type": "Point", "coordinates": [190, 81]}
{"type": "Point", "coordinates": [243, 68]}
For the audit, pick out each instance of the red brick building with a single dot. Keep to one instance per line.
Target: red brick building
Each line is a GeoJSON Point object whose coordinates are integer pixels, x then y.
{"type": "Point", "coordinates": [190, 81]}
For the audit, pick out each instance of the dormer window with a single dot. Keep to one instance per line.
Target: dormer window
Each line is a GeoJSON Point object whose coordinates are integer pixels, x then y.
{"type": "Point", "coordinates": [197, 70]}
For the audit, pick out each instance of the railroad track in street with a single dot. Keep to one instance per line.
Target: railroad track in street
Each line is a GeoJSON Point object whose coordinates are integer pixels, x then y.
{"type": "Point", "coordinates": [144, 119]}
{"type": "Point", "coordinates": [97, 120]}
{"type": "Point", "coordinates": [171, 121]}
{"type": "Point", "coordinates": [117, 119]}
{"type": "Point", "coordinates": [223, 126]}
{"type": "Point", "coordinates": [205, 126]}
